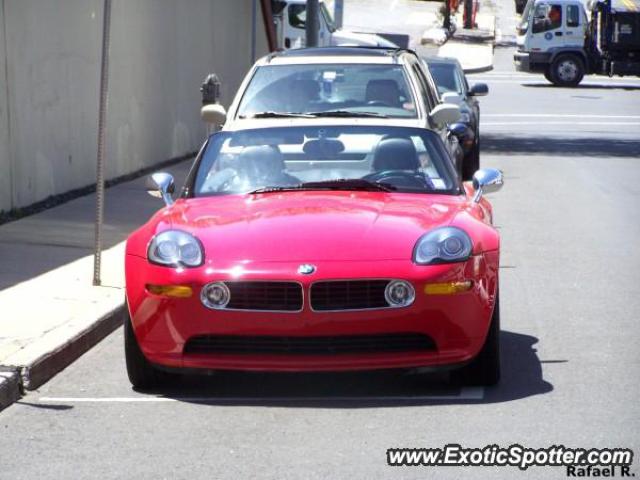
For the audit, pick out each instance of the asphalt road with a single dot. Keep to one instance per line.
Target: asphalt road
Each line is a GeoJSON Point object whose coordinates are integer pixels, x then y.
{"type": "Point", "coordinates": [570, 222]}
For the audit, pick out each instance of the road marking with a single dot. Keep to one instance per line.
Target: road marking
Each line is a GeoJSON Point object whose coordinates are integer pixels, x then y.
{"type": "Point", "coordinates": [558, 115]}
{"type": "Point", "coordinates": [497, 124]}
{"type": "Point", "coordinates": [393, 5]}
{"type": "Point", "coordinates": [531, 82]}
{"type": "Point", "coordinates": [467, 393]}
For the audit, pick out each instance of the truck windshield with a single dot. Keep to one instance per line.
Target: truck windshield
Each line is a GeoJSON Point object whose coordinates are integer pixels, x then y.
{"type": "Point", "coordinates": [328, 18]}
{"type": "Point", "coordinates": [524, 22]}
{"type": "Point", "coordinates": [312, 88]}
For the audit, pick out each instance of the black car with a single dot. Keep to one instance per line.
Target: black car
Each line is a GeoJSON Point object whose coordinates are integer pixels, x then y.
{"type": "Point", "coordinates": [450, 79]}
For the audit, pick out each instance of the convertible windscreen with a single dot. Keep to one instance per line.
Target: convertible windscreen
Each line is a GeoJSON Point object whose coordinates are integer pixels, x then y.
{"type": "Point", "coordinates": [390, 159]}
{"type": "Point", "coordinates": [374, 89]}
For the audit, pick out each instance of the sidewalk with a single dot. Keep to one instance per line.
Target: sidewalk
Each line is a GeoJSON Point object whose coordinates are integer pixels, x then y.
{"type": "Point", "coordinates": [472, 47]}
{"type": "Point", "coordinates": [50, 312]}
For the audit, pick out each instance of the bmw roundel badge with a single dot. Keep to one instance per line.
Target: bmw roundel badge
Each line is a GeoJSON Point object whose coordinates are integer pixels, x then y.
{"type": "Point", "coordinates": [306, 269]}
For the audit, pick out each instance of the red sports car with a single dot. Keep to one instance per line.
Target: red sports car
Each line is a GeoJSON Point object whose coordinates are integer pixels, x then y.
{"type": "Point", "coordinates": [317, 247]}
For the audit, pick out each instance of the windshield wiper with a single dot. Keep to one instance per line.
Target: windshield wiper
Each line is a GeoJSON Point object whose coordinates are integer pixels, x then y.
{"type": "Point", "coordinates": [337, 184]}
{"type": "Point", "coordinates": [350, 184]}
{"type": "Point", "coordinates": [347, 113]}
{"type": "Point", "coordinates": [277, 115]}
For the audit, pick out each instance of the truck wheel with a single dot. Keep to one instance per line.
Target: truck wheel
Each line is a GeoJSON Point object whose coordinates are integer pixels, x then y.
{"type": "Point", "coordinates": [567, 70]}
{"type": "Point", "coordinates": [547, 75]}
{"type": "Point", "coordinates": [142, 374]}
{"type": "Point", "coordinates": [484, 370]}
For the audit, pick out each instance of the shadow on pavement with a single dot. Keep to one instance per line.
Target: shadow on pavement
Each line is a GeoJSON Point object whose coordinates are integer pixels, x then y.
{"type": "Point", "coordinates": [52, 238]}
{"type": "Point", "coordinates": [585, 86]}
{"type": "Point", "coordinates": [571, 147]}
{"type": "Point", "coordinates": [521, 378]}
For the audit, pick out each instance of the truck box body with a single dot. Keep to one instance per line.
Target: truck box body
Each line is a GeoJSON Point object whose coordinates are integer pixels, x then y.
{"type": "Point", "coordinates": [615, 36]}
{"type": "Point", "coordinates": [618, 24]}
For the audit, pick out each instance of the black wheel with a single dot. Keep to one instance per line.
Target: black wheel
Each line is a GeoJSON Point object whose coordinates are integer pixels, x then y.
{"type": "Point", "coordinates": [142, 374]}
{"type": "Point", "coordinates": [484, 370]}
{"type": "Point", "coordinates": [567, 70]}
{"type": "Point", "coordinates": [471, 162]}
{"type": "Point", "coordinates": [547, 75]}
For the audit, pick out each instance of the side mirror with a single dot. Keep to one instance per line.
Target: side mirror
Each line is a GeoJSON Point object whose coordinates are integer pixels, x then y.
{"type": "Point", "coordinates": [214, 113]}
{"type": "Point", "coordinates": [445, 113]}
{"type": "Point", "coordinates": [161, 185]}
{"type": "Point", "coordinates": [460, 130]}
{"type": "Point", "coordinates": [452, 98]}
{"type": "Point", "coordinates": [479, 90]}
{"type": "Point", "coordinates": [486, 180]}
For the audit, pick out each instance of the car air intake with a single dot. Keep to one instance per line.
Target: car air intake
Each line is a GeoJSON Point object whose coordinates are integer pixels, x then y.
{"type": "Point", "coordinates": [348, 295]}
{"type": "Point", "coordinates": [277, 345]}
{"type": "Point", "coordinates": [265, 296]}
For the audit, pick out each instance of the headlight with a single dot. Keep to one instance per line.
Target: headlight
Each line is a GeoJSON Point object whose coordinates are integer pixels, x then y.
{"type": "Point", "coordinates": [176, 249]}
{"type": "Point", "coordinates": [442, 245]}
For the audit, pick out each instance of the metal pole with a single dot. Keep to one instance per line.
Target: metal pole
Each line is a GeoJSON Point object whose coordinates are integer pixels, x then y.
{"type": "Point", "coordinates": [313, 22]}
{"type": "Point", "coordinates": [338, 13]}
{"type": "Point", "coordinates": [102, 119]}
{"type": "Point", "coordinates": [254, 21]}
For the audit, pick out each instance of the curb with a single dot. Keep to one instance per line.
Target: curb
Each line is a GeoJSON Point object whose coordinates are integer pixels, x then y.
{"type": "Point", "coordinates": [9, 388]}
{"type": "Point", "coordinates": [44, 368]}
{"type": "Point", "coordinates": [29, 377]}
{"type": "Point", "coordinates": [486, 68]}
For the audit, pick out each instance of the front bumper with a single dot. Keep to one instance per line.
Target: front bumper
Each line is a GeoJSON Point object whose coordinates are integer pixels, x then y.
{"type": "Point", "coordinates": [456, 323]}
{"type": "Point", "coordinates": [531, 61]}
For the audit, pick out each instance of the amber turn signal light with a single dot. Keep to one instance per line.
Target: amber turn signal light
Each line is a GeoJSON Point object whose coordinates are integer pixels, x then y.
{"type": "Point", "coordinates": [447, 288]}
{"type": "Point", "coordinates": [175, 291]}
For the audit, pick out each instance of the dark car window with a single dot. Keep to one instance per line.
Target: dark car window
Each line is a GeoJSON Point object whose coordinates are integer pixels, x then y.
{"type": "Point", "coordinates": [298, 16]}
{"type": "Point", "coordinates": [446, 78]}
{"type": "Point", "coordinates": [411, 160]}
{"type": "Point", "coordinates": [573, 16]}
{"type": "Point", "coordinates": [429, 99]}
{"type": "Point", "coordinates": [380, 89]}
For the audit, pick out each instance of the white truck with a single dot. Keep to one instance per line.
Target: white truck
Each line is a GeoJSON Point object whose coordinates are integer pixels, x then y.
{"type": "Point", "coordinates": [565, 41]}
{"type": "Point", "coordinates": [290, 16]}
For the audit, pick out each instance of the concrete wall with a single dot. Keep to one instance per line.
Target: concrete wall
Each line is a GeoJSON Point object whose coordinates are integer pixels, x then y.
{"type": "Point", "coordinates": [161, 51]}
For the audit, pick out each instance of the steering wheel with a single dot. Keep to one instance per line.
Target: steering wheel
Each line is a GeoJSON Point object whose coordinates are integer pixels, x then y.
{"type": "Point", "coordinates": [378, 103]}
{"type": "Point", "coordinates": [401, 178]}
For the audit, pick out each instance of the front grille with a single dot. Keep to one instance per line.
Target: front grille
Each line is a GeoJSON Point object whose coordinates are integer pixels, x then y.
{"type": "Point", "coordinates": [240, 344]}
{"type": "Point", "coordinates": [348, 295]}
{"type": "Point", "coordinates": [266, 296]}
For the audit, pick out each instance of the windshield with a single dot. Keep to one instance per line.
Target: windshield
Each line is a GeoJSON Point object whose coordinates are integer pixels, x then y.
{"type": "Point", "coordinates": [445, 77]}
{"type": "Point", "coordinates": [378, 89]}
{"type": "Point", "coordinates": [394, 159]}
{"type": "Point", "coordinates": [328, 18]}
{"type": "Point", "coordinates": [524, 22]}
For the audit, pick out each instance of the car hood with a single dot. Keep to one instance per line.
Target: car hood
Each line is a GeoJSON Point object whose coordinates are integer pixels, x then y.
{"type": "Point", "coordinates": [312, 226]}
{"type": "Point", "coordinates": [345, 38]}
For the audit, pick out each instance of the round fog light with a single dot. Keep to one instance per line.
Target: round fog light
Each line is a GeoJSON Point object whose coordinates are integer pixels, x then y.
{"type": "Point", "coordinates": [215, 295]}
{"type": "Point", "coordinates": [399, 293]}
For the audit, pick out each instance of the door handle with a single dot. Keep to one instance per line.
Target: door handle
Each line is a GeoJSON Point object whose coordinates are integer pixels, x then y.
{"type": "Point", "coordinates": [558, 34]}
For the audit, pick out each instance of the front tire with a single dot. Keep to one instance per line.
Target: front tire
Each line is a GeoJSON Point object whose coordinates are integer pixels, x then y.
{"type": "Point", "coordinates": [484, 370]}
{"type": "Point", "coordinates": [567, 70]}
{"type": "Point", "coordinates": [141, 373]}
